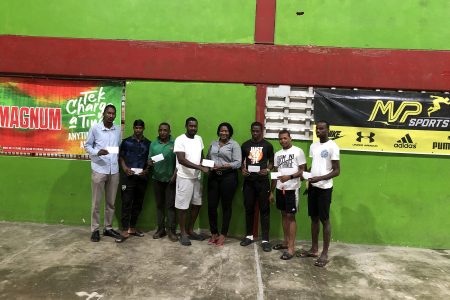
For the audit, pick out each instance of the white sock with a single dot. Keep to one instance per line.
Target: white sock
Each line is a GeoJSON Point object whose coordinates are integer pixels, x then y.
{"type": "Point", "coordinates": [250, 237]}
{"type": "Point", "coordinates": [264, 241]}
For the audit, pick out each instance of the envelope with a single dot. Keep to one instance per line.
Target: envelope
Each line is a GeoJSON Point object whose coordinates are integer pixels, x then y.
{"type": "Point", "coordinates": [113, 150]}
{"type": "Point", "coordinates": [274, 175]}
{"type": "Point", "coordinates": [307, 175]}
{"type": "Point", "coordinates": [137, 171]}
{"type": "Point", "coordinates": [208, 163]}
{"type": "Point", "coordinates": [157, 158]}
{"type": "Point", "coordinates": [254, 169]}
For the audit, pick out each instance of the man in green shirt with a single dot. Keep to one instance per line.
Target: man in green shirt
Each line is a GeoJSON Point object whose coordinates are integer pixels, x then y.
{"type": "Point", "coordinates": [164, 177]}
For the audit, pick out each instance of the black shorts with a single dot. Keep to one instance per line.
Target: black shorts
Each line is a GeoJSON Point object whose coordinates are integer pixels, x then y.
{"type": "Point", "coordinates": [286, 201]}
{"type": "Point", "coordinates": [319, 201]}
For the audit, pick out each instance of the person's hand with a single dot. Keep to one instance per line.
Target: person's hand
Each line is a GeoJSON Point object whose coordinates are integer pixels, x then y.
{"type": "Point", "coordinates": [271, 197]}
{"type": "Point", "coordinates": [128, 171]}
{"type": "Point", "coordinates": [314, 179]}
{"type": "Point", "coordinates": [144, 172]}
{"type": "Point", "coordinates": [150, 163]}
{"type": "Point", "coordinates": [284, 178]}
{"type": "Point", "coordinates": [204, 169]}
{"type": "Point", "coordinates": [301, 177]}
{"type": "Point", "coordinates": [173, 178]}
{"type": "Point", "coordinates": [245, 172]}
{"type": "Point", "coordinates": [263, 172]}
{"type": "Point", "coordinates": [102, 152]}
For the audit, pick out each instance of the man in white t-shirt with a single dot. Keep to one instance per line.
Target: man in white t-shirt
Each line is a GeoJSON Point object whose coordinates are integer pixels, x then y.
{"type": "Point", "coordinates": [189, 151]}
{"type": "Point", "coordinates": [325, 166]}
{"type": "Point", "coordinates": [290, 162]}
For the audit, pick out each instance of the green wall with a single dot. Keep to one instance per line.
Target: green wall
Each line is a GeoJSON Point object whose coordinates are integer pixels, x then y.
{"type": "Point", "coordinates": [378, 198]}
{"type": "Point", "coordinates": [402, 24]}
{"type": "Point", "coordinates": [211, 104]}
{"type": "Point", "coordinates": [218, 21]}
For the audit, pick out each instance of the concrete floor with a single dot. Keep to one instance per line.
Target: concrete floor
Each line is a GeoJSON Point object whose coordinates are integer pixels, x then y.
{"type": "Point", "coordinates": [59, 262]}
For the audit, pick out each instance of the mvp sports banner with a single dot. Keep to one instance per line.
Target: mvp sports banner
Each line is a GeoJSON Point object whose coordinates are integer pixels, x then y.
{"type": "Point", "coordinates": [52, 116]}
{"type": "Point", "coordinates": [386, 121]}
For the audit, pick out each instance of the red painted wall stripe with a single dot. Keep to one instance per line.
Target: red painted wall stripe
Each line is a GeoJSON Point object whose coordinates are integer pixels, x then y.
{"type": "Point", "coordinates": [265, 21]}
{"type": "Point", "coordinates": [265, 64]}
{"type": "Point", "coordinates": [264, 34]}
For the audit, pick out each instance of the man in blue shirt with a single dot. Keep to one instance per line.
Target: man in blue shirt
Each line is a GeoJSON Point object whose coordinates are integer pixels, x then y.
{"type": "Point", "coordinates": [102, 144]}
{"type": "Point", "coordinates": [133, 160]}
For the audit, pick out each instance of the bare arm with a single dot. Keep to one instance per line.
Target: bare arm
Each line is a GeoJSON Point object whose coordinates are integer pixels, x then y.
{"type": "Point", "coordinates": [125, 168]}
{"type": "Point", "coordinates": [297, 174]}
{"type": "Point", "coordinates": [181, 156]}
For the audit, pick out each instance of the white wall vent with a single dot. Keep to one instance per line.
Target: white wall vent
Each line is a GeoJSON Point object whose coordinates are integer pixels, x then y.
{"type": "Point", "coordinates": [289, 108]}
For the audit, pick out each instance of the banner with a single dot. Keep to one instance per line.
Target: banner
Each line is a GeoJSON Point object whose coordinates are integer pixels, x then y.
{"type": "Point", "coordinates": [52, 116]}
{"type": "Point", "coordinates": [386, 121]}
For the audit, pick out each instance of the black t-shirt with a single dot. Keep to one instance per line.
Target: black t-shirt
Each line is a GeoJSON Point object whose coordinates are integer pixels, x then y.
{"type": "Point", "coordinates": [256, 154]}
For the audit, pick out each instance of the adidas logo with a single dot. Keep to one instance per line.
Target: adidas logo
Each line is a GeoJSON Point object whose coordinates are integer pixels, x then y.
{"type": "Point", "coordinates": [405, 142]}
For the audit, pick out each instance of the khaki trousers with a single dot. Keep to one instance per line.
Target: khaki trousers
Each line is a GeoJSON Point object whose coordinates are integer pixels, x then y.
{"type": "Point", "coordinates": [103, 184]}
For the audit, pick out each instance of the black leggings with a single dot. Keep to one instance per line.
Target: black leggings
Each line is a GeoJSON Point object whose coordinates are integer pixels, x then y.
{"type": "Point", "coordinates": [221, 187]}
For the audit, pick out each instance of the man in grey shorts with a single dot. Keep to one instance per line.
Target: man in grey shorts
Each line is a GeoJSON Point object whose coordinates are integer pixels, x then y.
{"type": "Point", "coordinates": [189, 151]}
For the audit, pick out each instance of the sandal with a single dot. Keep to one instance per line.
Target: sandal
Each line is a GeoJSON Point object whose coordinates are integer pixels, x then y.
{"type": "Point", "coordinates": [280, 247]}
{"type": "Point", "coordinates": [212, 241]}
{"type": "Point", "coordinates": [304, 253]}
{"type": "Point", "coordinates": [121, 239]}
{"type": "Point", "coordinates": [286, 256]}
{"type": "Point", "coordinates": [220, 241]}
{"type": "Point", "coordinates": [184, 240]}
{"type": "Point", "coordinates": [321, 262]}
{"type": "Point", "coordinates": [137, 233]}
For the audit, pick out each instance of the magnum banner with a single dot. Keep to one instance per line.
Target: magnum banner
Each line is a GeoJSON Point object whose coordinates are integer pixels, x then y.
{"type": "Point", "coordinates": [386, 121]}
{"type": "Point", "coordinates": [52, 116]}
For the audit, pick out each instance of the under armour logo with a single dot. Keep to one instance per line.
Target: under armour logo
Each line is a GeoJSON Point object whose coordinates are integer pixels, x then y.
{"type": "Point", "coordinates": [370, 137]}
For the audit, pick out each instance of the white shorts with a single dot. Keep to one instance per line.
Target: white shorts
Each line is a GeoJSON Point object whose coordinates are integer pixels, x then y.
{"type": "Point", "coordinates": [188, 191]}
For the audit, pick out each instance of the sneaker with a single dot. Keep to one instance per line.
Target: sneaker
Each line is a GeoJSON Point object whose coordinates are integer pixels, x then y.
{"type": "Point", "coordinates": [172, 236]}
{"type": "Point", "coordinates": [112, 233]}
{"type": "Point", "coordinates": [95, 236]}
{"type": "Point", "coordinates": [246, 241]}
{"type": "Point", "coordinates": [159, 234]}
{"type": "Point", "coordinates": [184, 240]}
{"type": "Point", "coordinates": [267, 247]}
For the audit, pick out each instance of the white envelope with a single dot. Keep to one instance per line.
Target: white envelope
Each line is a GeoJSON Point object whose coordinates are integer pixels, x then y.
{"type": "Point", "coordinates": [208, 163]}
{"type": "Point", "coordinates": [307, 175]}
{"type": "Point", "coordinates": [254, 169]}
{"type": "Point", "coordinates": [137, 171]}
{"type": "Point", "coordinates": [113, 150]}
{"type": "Point", "coordinates": [157, 158]}
{"type": "Point", "coordinates": [274, 175]}
{"type": "Point", "coordinates": [287, 171]}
